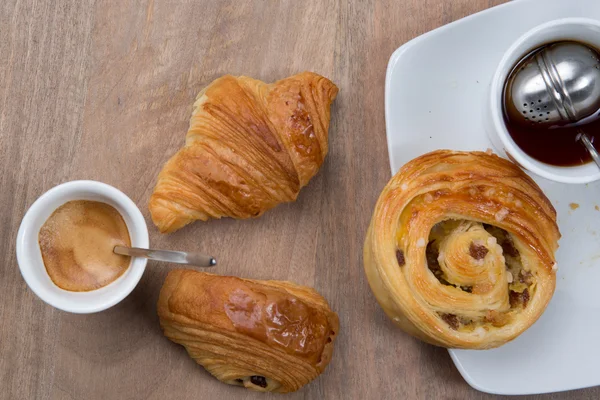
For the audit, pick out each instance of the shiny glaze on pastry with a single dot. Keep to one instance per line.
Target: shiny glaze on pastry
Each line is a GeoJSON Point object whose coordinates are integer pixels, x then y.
{"type": "Point", "coordinates": [77, 243]}
{"type": "Point", "coordinates": [250, 146]}
{"type": "Point", "coordinates": [264, 335]}
{"type": "Point", "coordinates": [460, 249]}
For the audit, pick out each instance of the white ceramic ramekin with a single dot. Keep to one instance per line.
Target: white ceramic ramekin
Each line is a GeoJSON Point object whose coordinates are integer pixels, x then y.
{"type": "Point", "coordinates": [30, 258]}
{"type": "Point", "coordinates": [578, 29]}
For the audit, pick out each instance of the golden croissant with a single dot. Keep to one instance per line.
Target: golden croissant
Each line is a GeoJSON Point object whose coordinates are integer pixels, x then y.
{"type": "Point", "coordinates": [250, 146]}
{"type": "Point", "coordinates": [269, 336]}
{"type": "Point", "coordinates": [460, 250]}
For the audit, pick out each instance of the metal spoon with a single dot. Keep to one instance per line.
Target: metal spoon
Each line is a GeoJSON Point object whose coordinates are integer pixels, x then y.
{"type": "Point", "coordinates": [559, 83]}
{"type": "Point", "coordinates": [179, 257]}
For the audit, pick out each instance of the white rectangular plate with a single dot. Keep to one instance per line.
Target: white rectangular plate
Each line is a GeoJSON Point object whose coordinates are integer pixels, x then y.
{"type": "Point", "coordinates": [436, 88]}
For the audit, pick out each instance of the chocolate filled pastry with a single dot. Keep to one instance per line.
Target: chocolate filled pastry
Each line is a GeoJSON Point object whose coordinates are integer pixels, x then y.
{"type": "Point", "coordinates": [460, 250]}
{"type": "Point", "coordinates": [269, 336]}
{"type": "Point", "coordinates": [250, 146]}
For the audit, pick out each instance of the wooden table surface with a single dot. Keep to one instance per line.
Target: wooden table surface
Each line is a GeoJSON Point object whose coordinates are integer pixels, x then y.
{"type": "Point", "coordinates": [103, 90]}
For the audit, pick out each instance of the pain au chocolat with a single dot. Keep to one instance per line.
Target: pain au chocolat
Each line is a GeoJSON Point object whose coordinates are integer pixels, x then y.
{"type": "Point", "coordinates": [268, 336]}
{"type": "Point", "coordinates": [460, 250]}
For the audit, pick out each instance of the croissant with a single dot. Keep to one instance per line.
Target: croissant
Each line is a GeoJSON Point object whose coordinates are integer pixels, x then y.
{"type": "Point", "coordinates": [250, 146]}
{"type": "Point", "coordinates": [269, 336]}
{"type": "Point", "coordinates": [460, 250]}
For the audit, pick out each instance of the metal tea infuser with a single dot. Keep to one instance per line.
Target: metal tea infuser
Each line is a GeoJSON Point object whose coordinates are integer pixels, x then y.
{"type": "Point", "coordinates": [558, 83]}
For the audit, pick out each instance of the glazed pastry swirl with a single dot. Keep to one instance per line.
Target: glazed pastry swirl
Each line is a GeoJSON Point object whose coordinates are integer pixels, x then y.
{"type": "Point", "coordinates": [460, 250]}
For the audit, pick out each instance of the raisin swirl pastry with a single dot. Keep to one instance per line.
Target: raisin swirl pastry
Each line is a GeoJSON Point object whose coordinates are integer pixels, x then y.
{"type": "Point", "coordinates": [460, 250]}
{"type": "Point", "coordinates": [269, 336]}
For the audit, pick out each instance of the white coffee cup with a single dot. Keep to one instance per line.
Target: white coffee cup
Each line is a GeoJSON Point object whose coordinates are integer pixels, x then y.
{"type": "Point", "coordinates": [30, 259]}
{"type": "Point", "coordinates": [582, 30]}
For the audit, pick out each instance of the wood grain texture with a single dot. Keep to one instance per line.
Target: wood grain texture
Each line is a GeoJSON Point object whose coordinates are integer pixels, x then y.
{"type": "Point", "coordinates": [103, 90]}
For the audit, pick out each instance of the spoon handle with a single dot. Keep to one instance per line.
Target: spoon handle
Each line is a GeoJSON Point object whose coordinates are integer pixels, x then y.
{"type": "Point", "coordinates": [179, 257]}
{"type": "Point", "coordinates": [590, 147]}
